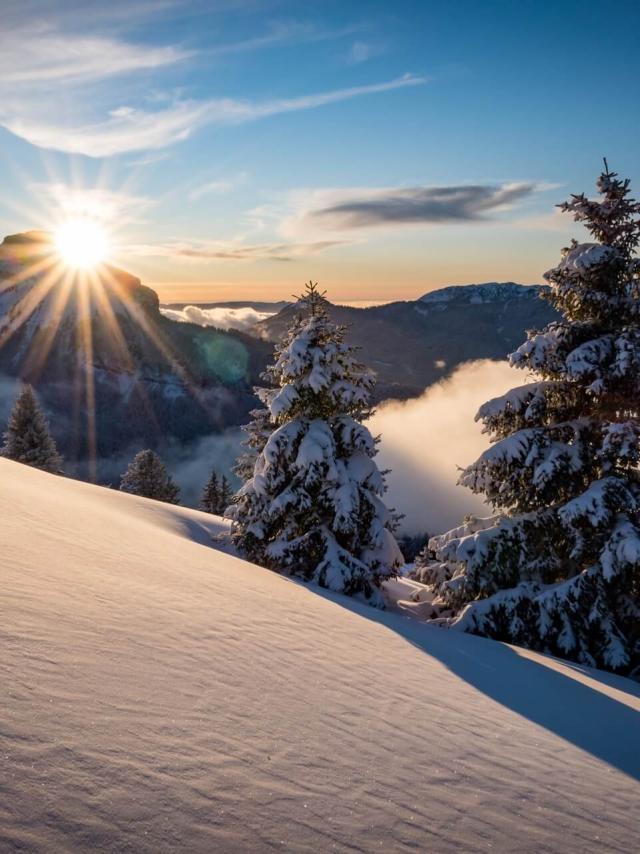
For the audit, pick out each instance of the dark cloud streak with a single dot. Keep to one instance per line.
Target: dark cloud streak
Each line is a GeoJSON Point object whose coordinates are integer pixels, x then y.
{"type": "Point", "coordinates": [237, 252]}
{"type": "Point", "coordinates": [428, 205]}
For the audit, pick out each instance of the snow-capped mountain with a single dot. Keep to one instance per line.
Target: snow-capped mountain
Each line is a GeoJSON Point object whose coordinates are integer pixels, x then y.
{"type": "Point", "coordinates": [490, 292]}
{"type": "Point", "coordinates": [413, 344]}
{"type": "Point", "coordinates": [112, 372]}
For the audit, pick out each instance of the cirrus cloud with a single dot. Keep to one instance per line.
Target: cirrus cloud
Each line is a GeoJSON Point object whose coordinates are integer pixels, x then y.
{"type": "Point", "coordinates": [129, 129]}
{"type": "Point", "coordinates": [99, 203]}
{"type": "Point", "coordinates": [218, 250]}
{"type": "Point", "coordinates": [38, 53]}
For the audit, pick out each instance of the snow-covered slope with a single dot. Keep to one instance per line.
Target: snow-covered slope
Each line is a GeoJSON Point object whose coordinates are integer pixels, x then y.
{"type": "Point", "coordinates": [160, 696]}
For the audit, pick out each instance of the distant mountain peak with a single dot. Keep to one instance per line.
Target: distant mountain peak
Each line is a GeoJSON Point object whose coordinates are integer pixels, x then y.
{"type": "Point", "coordinates": [19, 251]}
{"type": "Point", "coordinates": [28, 237]}
{"type": "Point", "coordinates": [483, 293]}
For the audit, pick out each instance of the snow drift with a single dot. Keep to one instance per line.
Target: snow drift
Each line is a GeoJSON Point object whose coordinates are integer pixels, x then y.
{"type": "Point", "coordinates": [163, 696]}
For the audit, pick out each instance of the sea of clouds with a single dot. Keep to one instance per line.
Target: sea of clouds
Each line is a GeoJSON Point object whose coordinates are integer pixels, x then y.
{"type": "Point", "coordinates": [241, 319]}
{"type": "Point", "coordinates": [425, 441]}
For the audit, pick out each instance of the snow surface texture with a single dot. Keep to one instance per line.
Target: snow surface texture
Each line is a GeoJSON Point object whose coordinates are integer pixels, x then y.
{"type": "Point", "coordinates": [160, 696]}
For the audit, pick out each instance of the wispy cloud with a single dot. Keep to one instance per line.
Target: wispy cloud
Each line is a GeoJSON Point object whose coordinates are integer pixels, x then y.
{"type": "Point", "coordinates": [128, 129]}
{"type": "Point", "coordinates": [40, 54]}
{"type": "Point", "coordinates": [44, 43]}
{"type": "Point", "coordinates": [123, 131]}
{"type": "Point", "coordinates": [338, 210]}
{"type": "Point", "coordinates": [283, 33]}
{"type": "Point", "coordinates": [150, 159]}
{"type": "Point", "coordinates": [360, 52]}
{"type": "Point", "coordinates": [232, 250]}
{"type": "Point", "coordinates": [108, 206]}
{"type": "Point", "coordinates": [219, 187]}
{"type": "Point", "coordinates": [77, 13]}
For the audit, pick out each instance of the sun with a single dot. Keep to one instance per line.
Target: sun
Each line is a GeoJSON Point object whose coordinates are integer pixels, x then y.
{"type": "Point", "coordinates": [81, 243]}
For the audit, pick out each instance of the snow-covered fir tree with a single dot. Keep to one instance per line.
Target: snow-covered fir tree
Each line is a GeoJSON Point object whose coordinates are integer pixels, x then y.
{"type": "Point", "coordinates": [557, 568]}
{"type": "Point", "coordinates": [257, 432]}
{"type": "Point", "coordinates": [148, 476]}
{"type": "Point", "coordinates": [217, 494]}
{"type": "Point", "coordinates": [312, 504]}
{"type": "Point", "coordinates": [27, 438]}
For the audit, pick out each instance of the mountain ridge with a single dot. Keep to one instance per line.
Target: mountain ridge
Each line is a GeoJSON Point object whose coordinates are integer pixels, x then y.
{"type": "Point", "coordinates": [410, 348]}
{"type": "Point", "coordinates": [115, 375]}
{"type": "Point", "coordinates": [483, 292]}
{"type": "Point", "coordinates": [112, 372]}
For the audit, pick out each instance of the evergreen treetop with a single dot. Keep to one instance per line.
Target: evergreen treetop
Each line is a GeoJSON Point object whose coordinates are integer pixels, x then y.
{"type": "Point", "coordinates": [27, 438]}
{"type": "Point", "coordinates": [558, 567]}
{"type": "Point", "coordinates": [217, 494]}
{"type": "Point", "coordinates": [147, 476]}
{"type": "Point", "coordinates": [210, 501]}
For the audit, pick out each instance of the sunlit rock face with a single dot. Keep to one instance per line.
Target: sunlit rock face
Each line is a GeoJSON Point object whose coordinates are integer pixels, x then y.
{"type": "Point", "coordinates": [113, 373]}
{"type": "Point", "coordinates": [37, 287]}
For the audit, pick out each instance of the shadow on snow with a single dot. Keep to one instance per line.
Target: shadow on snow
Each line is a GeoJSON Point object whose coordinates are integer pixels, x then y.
{"type": "Point", "coordinates": [582, 715]}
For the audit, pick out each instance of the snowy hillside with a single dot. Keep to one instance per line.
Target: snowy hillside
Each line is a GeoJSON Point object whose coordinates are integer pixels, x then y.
{"type": "Point", "coordinates": [162, 696]}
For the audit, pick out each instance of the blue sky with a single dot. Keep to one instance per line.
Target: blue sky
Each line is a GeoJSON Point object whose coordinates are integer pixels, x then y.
{"type": "Point", "coordinates": [235, 149]}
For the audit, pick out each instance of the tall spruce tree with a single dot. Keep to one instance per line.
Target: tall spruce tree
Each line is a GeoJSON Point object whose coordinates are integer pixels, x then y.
{"type": "Point", "coordinates": [210, 501]}
{"type": "Point", "coordinates": [217, 494]}
{"type": "Point", "coordinates": [312, 503]}
{"type": "Point", "coordinates": [147, 476]}
{"type": "Point", "coordinates": [27, 438]}
{"type": "Point", "coordinates": [558, 568]}
{"type": "Point", "coordinates": [258, 431]}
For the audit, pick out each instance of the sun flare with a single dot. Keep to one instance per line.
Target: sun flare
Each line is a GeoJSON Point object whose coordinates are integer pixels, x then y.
{"type": "Point", "coordinates": [81, 243]}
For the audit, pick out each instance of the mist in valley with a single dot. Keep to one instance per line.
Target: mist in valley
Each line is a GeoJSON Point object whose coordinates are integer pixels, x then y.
{"type": "Point", "coordinates": [424, 442]}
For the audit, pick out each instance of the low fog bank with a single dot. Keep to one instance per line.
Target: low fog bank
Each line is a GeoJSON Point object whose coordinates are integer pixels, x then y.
{"type": "Point", "coordinates": [9, 390]}
{"type": "Point", "coordinates": [424, 441]}
{"type": "Point", "coordinates": [189, 464]}
{"type": "Point", "coordinates": [241, 319]}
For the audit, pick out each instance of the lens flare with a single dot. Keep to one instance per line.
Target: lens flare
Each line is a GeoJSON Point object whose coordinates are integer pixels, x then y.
{"type": "Point", "coordinates": [81, 243]}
